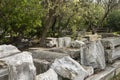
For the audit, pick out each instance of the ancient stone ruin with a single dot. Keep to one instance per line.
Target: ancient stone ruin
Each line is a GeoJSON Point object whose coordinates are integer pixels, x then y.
{"type": "Point", "coordinates": [65, 59]}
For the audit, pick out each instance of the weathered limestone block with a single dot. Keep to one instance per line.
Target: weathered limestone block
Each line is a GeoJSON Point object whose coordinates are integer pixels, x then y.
{"type": "Point", "coordinates": [112, 48]}
{"type": "Point", "coordinates": [4, 74]}
{"type": "Point", "coordinates": [93, 55]}
{"type": "Point", "coordinates": [74, 53]}
{"type": "Point", "coordinates": [47, 55]}
{"type": "Point", "coordinates": [67, 41]}
{"type": "Point", "coordinates": [76, 44]}
{"type": "Point", "coordinates": [49, 75]}
{"type": "Point", "coordinates": [116, 65]}
{"type": "Point", "coordinates": [69, 68]}
{"type": "Point", "coordinates": [111, 42]}
{"type": "Point", "coordinates": [7, 50]}
{"type": "Point", "coordinates": [41, 65]}
{"type": "Point", "coordinates": [21, 66]}
{"type": "Point", "coordinates": [61, 42]}
{"type": "Point", "coordinates": [51, 42]}
{"type": "Point", "coordinates": [107, 74]}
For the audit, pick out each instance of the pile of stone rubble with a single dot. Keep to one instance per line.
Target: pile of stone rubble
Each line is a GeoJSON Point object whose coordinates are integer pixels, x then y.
{"type": "Point", "coordinates": [93, 60]}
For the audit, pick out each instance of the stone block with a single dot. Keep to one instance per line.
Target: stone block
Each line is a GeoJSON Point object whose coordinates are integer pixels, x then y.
{"type": "Point", "coordinates": [89, 69]}
{"type": "Point", "coordinates": [41, 65]}
{"type": "Point", "coordinates": [60, 42]}
{"type": "Point", "coordinates": [67, 41]}
{"type": "Point", "coordinates": [92, 37]}
{"type": "Point", "coordinates": [76, 44]}
{"type": "Point", "coordinates": [4, 74]}
{"type": "Point", "coordinates": [112, 48]}
{"type": "Point", "coordinates": [7, 50]}
{"type": "Point", "coordinates": [49, 75]}
{"type": "Point", "coordinates": [51, 42]}
{"type": "Point", "coordinates": [20, 66]}
{"type": "Point", "coordinates": [69, 68]}
{"type": "Point", "coordinates": [73, 53]}
{"type": "Point", "coordinates": [93, 55]}
{"type": "Point", "coordinates": [116, 65]}
{"type": "Point", "coordinates": [47, 55]}
{"type": "Point", "coordinates": [107, 74]}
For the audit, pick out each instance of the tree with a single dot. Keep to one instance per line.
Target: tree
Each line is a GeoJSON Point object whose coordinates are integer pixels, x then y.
{"type": "Point", "coordinates": [19, 18]}
{"type": "Point", "coordinates": [113, 20]}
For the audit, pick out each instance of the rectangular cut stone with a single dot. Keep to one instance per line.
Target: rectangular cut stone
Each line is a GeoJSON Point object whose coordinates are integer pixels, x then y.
{"type": "Point", "coordinates": [112, 48]}
{"type": "Point", "coordinates": [110, 42]}
{"type": "Point", "coordinates": [47, 55]}
{"type": "Point", "coordinates": [74, 53]}
{"type": "Point", "coordinates": [107, 74]}
{"type": "Point", "coordinates": [21, 67]}
{"type": "Point", "coordinates": [7, 50]}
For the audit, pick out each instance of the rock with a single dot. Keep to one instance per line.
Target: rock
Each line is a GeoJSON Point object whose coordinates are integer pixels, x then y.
{"type": "Point", "coordinates": [73, 53]}
{"type": "Point", "coordinates": [51, 42]}
{"type": "Point", "coordinates": [116, 65]}
{"type": "Point", "coordinates": [92, 37]}
{"type": "Point", "coordinates": [41, 65]}
{"type": "Point", "coordinates": [112, 48]}
{"type": "Point", "coordinates": [7, 50]}
{"type": "Point", "coordinates": [21, 66]}
{"type": "Point", "coordinates": [61, 42]}
{"type": "Point", "coordinates": [76, 44]}
{"type": "Point", "coordinates": [47, 55]}
{"type": "Point", "coordinates": [93, 55]}
{"type": "Point", "coordinates": [4, 74]}
{"type": "Point", "coordinates": [67, 41]}
{"type": "Point", "coordinates": [49, 75]}
{"type": "Point", "coordinates": [69, 68]}
{"type": "Point", "coordinates": [89, 69]}
{"type": "Point", "coordinates": [107, 74]}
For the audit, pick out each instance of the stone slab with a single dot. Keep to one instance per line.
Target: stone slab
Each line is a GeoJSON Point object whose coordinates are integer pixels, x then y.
{"type": "Point", "coordinates": [108, 73]}
{"type": "Point", "coordinates": [46, 55]}
{"type": "Point", "coordinates": [116, 65]}
{"type": "Point", "coordinates": [74, 53]}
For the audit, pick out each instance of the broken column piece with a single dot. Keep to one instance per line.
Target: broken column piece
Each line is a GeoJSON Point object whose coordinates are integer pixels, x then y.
{"type": "Point", "coordinates": [93, 55]}
{"type": "Point", "coordinates": [21, 66]}
{"type": "Point", "coordinates": [69, 68]}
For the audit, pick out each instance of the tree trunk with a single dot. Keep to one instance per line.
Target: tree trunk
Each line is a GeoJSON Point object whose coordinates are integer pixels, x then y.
{"type": "Point", "coordinates": [47, 24]}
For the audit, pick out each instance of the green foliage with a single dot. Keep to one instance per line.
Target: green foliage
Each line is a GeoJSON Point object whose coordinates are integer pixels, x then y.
{"type": "Point", "coordinates": [113, 20]}
{"type": "Point", "coordinates": [20, 17]}
{"type": "Point", "coordinates": [28, 18]}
